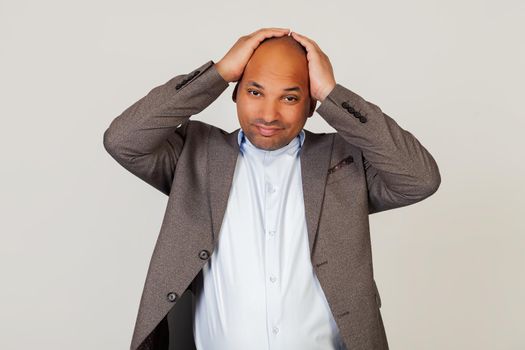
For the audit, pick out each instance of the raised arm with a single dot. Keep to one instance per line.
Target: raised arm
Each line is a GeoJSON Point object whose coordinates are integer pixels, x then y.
{"type": "Point", "coordinates": [399, 170]}
{"type": "Point", "coordinates": [146, 138]}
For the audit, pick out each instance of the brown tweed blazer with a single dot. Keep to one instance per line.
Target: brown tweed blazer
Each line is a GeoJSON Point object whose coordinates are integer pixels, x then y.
{"type": "Point", "coordinates": [369, 165]}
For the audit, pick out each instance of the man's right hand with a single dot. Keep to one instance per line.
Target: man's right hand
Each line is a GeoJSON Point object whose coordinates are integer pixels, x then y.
{"type": "Point", "coordinates": [231, 66]}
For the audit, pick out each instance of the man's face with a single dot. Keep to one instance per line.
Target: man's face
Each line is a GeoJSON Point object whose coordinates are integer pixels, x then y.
{"type": "Point", "coordinates": [273, 96]}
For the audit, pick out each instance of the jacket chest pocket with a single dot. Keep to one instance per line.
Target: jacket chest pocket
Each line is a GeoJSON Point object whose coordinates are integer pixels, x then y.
{"type": "Point", "coordinates": [344, 168]}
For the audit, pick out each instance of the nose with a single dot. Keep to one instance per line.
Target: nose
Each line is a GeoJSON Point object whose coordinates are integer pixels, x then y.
{"type": "Point", "coordinates": [270, 113]}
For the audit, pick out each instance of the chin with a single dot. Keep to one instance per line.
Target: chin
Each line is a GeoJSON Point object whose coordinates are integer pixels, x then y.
{"type": "Point", "coordinates": [265, 143]}
{"type": "Point", "coordinates": [272, 146]}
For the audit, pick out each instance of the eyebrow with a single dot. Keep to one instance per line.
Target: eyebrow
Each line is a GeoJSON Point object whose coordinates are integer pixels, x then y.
{"type": "Point", "coordinates": [257, 85]}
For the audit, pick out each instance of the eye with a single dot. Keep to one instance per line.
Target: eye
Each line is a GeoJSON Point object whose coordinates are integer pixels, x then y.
{"type": "Point", "coordinates": [250, 91]}
{"type": "Point", "coordinates": [293, 97]}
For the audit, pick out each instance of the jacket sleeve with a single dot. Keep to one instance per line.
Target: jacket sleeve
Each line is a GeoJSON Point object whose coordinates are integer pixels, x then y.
{"type": "Point", "coordinates": [146, 139]}
{"type": "Point", "coordinates": [399, 170]}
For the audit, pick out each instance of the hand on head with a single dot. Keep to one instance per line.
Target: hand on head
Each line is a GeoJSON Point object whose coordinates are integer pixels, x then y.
{"type": "Point", "coordinates": [231, 66]}
{"type": "Point", "coordinates": [319, 69]}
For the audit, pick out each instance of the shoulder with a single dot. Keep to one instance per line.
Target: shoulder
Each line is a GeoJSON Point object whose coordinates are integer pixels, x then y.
{"type": "Point", "coordinates": [197, 128]}
{"type": "Point", "coordinates": [339, 144]}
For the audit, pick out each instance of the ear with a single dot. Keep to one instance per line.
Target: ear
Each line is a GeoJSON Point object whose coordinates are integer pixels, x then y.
{"type": "Point", "coordinates": [313, 104]}
{"type": "Point", "coordinates": [236, 88]}
{"type": "Point", "coordinates": [234, 94]}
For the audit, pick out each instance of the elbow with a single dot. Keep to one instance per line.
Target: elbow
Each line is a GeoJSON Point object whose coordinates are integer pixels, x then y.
{"type": "Point", "coordinates": [431, 183]}
{"type": "Point", "coordinates": [108, 141]}
{"type": "Point", "coordinates": [112, 144]}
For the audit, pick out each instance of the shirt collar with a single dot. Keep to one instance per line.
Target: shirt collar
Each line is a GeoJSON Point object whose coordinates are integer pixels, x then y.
{"type": "Point", "coordinates": [289, 148]}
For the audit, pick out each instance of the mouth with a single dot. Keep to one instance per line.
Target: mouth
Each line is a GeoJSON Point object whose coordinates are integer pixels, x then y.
{"type": "Point", "coordinates": [265, 131]}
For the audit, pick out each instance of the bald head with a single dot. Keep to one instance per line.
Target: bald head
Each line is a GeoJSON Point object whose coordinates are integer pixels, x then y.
{"type": "Point", "coordinates": [283, 42]}
{"type": "Point", "coordinates": [278, 57]}
{"type": "Point", "coordinates": [273, 95]}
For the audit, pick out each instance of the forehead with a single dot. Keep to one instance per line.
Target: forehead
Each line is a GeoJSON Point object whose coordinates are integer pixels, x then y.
{"type": "Point", "coordinates": [275, 74]}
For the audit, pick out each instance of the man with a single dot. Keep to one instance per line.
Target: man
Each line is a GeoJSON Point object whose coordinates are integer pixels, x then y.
{"type": "Point", "coordinates": [267, 227]}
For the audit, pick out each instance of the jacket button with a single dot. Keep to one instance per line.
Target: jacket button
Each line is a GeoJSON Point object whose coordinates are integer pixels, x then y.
{"type": "Point", "coordinates": [362, 119]}
{"type": "Point", "coordinates": [204, 254]}
{"type": "Point", "coordinates": [172, 296]}
{"type": "Point", "coordinates": [345, 104]}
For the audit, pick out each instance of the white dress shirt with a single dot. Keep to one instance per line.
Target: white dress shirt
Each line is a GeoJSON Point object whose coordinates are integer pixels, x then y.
{"type": "Point", "coordinates": [259, 290]}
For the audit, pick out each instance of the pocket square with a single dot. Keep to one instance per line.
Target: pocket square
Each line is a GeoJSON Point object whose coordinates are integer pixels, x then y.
{"type": "Point", "coordinates": [345, 161]}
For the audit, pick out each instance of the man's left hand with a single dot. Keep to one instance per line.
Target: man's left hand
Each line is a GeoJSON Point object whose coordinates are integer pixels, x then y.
{"type": "Point", "coordinates": [321, 73]}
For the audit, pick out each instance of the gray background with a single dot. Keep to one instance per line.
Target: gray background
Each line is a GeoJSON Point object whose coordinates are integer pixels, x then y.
{"type": "Point", "coordinates": [77, 230]}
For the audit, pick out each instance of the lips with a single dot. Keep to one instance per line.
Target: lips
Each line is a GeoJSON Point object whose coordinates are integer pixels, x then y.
{"type": "Point", "coordinates": [267, 131]}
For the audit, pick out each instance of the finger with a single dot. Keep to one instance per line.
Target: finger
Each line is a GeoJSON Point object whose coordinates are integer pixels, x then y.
{"type": "Point", "coordinates": [305, 38]}
{"type": "Point", "coordinates": [307, 41]}
{"type": "Point", "coordinates": [301, 38]}
{"type": "Point", "coordinates": [285, 29]}
{"type": "Point", "coordinates": [259, 37]}
{"type": "Point", "coordinates": [278, 32]}
{"type": "Point", "coordinates": [268, 33]}
{"type": "Point", "coordinates": [273, 30]}
{"type": "Point", "coordinates": [304, 41]}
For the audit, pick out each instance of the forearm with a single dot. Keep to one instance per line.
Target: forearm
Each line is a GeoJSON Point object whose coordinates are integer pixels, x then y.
{"type": "Point", "coordinates": [146, 124]}
{"type": "Point", "coordinates": [407, 169]}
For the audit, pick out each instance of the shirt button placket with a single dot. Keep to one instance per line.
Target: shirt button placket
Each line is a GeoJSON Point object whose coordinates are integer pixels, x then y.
{"type": "Point", "coordinates": [271, 251]}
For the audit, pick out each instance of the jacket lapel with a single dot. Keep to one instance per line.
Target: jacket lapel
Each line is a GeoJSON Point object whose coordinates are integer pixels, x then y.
{"type": "Point", "coordinates": [315, 161]}
{"type": "Point", "coordinates": [223, 151]}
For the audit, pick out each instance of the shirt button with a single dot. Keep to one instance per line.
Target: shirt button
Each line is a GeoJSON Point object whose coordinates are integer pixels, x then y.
{"type": "Point", "coordinates": [271, 189]}
{"type": "Point", "coordinates": [271, 233]}
{"type": "Point", "coordinates": [273, 279]}
{"type": "Point", "coordinates": [275, 330]}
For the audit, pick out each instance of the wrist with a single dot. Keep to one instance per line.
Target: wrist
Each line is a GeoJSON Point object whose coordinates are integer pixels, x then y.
{"type": "Point", "coordinates": [326, 92]}
{"type": "Point", "coordinates": [221, 71]}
